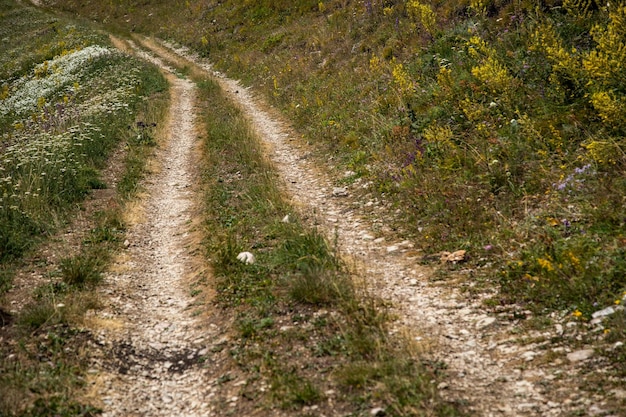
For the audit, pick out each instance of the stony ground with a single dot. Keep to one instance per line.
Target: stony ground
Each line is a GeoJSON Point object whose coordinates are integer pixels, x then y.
{"type": "Point", "coordinates": [157, 351]}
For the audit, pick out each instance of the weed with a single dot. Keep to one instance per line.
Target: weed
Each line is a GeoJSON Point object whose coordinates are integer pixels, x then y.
{"type": "Point", "coordinates": [82, 270]}
{"type": "Point", "coordinates": [293, 391]}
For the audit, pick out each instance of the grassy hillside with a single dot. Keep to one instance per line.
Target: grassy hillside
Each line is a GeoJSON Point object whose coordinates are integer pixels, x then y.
{"type": "Point", "coordinates": [491, 126]}
{"type": "Point", "coordinates": [67, 100]}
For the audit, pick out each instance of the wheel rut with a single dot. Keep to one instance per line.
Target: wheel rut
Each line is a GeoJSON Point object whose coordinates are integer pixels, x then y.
{"type": "Point", "coordinates": [152, 344]}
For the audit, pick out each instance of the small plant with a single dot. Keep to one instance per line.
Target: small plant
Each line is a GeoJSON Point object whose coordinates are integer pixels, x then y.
{"type": "Point", "coordinates": [293, 391]}
{"type": "Point", "coordinates": [82, 270]}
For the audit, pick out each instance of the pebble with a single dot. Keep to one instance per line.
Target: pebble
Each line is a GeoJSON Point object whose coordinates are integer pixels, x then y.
{"type": "Point", "coordinates": [580, 355]}
{"type": "Point", "coordinates": [482, 323]}
{"type": "Point", "coordinates": [340, 192]}
{"type": "Point", "coordinates": [603, 313]}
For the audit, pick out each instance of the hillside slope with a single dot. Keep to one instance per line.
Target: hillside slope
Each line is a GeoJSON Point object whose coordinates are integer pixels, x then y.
{"type": "Point", "coordinates": [495, 127]}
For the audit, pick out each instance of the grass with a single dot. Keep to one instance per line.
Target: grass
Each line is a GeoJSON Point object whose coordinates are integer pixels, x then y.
{"type": "Point", "coordinates": [296, 277]}
{"type": "Point", "coordinates": [498, 130]}
{"type": "Point", "coordinates": [51, 153]}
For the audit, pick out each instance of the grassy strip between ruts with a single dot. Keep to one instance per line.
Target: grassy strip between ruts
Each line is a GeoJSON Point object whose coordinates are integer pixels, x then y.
{"type": "Point", "coordinates": [305, 333]}
{"type": "Point", "coordinates": [61, 137]}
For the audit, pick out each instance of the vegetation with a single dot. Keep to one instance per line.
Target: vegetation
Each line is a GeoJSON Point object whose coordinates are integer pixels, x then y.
{"type": "Point", "coordinates": [493, 126]}
{"type": "Point", "coordinates": [67, 100]}
{"type": "Point", "coordinates": [295, 305]}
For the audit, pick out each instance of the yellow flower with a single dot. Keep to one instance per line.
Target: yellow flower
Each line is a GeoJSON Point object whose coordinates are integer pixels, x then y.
{"type": "Point", "coordinates": [423, 14]}
{"type": "Point", "coordinates": [618, 302]}
{"type": "Point", "coordinates": [545, 264]}
{"type": "Point", "coordinates": [577, 313]}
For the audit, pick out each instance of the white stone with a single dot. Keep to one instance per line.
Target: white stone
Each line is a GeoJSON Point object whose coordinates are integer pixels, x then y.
{"type": "Point", "coordinates": [580, 355]}
{"type": "Point", "coordinates": [246, 257]}
{"type": "Point", "coordinates": [340, 192]}
{"type": "Point", "coordinates": [482, 323]}
{"type": "Point", "coordinates": [603, 313]}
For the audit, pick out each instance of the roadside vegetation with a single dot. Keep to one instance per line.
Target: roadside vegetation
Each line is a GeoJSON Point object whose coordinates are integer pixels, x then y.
{"type": "Point", "coordinates": [492, 126]}
{"type": "Point", "coordinates": [68, 99]}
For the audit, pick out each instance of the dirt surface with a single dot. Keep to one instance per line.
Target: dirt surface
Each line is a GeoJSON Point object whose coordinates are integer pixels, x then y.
{"type": "Point", "coordinates": [152, 339]}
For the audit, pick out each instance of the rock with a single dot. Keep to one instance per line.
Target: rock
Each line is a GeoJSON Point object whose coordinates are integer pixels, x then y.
{"type": "Point", "coordinates": [377, 412]}
{"type": "Point", "coordinates": [620, 394]}
{"type": "Point", "coordinates": [559, 329]}
{"type": "Point", "coordinates": [442, 386]}
{"type": "Point", "coordinates": [286, 219]}
{"type": "Point", "coordinates": [457, 256]}
{"type": "Point", "coordinates": [603, 313]}
{"type": "Point", "coordinates": [580, 355]}
{"type": "Point", "coordinates": [392, 248]}
{"type": "Point", "coordinates": [246, 257]}
{"type": "Point", "coordinates": [529, 355]}
{"type": "Point", "coordinates": [126, 243]}
{"type": "Point", "coordinates": [482, 323]}
{"type": "Point", "coordinates": [340, 192]}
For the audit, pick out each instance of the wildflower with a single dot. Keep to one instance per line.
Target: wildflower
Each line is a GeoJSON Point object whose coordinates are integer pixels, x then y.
{"type": "Point", "coordinates": [530, 277]}
{"type": "Point", "coordinates": [423, 14]}
{"type": "Point", "coordinates": [618, 302]}
{"type": "Point", "coordinates": [545, 264]}
{"type": "Point", "coordinates": [577, 313]}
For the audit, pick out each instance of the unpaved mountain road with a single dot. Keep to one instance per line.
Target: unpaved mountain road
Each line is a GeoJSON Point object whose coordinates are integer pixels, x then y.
{"type": "Point", "coordinates": [151, 338]}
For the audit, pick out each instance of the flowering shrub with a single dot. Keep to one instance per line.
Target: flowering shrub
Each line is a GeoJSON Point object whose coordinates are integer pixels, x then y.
{"type": "Point", "coordinates": [423, 14]}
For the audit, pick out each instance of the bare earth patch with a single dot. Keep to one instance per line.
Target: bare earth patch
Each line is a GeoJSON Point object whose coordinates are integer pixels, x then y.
{"type": "Point", "coordinates": [152, 344]}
